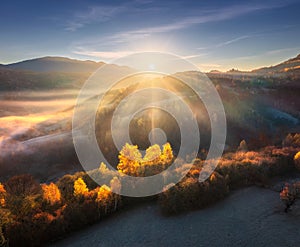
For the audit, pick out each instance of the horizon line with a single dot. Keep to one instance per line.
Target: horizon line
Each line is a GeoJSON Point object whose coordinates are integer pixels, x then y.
{"type": "Point", "coordinates": [101, 61]}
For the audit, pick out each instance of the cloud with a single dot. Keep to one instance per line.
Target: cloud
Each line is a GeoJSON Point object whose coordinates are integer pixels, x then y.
{"type": "Point", "coordinates": [94, 14]}
{"type": "Point", "coordinates": [228, 42]}
{"type": "Point", "coordinates": [283, 50]}
{"type": "Point", "coordinates": [130, 38]}
{"type": "Point", "coordinates": [214, 15]}
{"type": "Point", "coordinates": [103, 54]}
{"type": "Point", "coordinates": [104, 13]}
{"type": "Point", "coordinates": [193, 56]}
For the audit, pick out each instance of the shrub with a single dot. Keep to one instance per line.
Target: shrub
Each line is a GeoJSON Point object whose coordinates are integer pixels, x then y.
{"type": "Point", "coordinates": [190, 194]}
{"type": "Point", "coordinates": [289, 194]}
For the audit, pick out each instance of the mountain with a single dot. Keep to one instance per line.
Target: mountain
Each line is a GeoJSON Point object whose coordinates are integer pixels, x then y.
{"type": "Point", "coordinates": [51, 73]}
{"type": "Point", "coordinates": [55, 64]}
{"type": "Point", "coordinates": [291, 65]}
{"type": "Point", "coordinates": [61, 72]}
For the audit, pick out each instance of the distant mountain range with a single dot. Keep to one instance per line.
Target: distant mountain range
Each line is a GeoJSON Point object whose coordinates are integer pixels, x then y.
{"type": "Point", "coordinates": [68, 65]}
{"type": "Point", "coordinates": [62, 72]}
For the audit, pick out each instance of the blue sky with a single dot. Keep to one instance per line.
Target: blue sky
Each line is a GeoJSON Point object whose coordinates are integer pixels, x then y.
{"type": "Point", "coordinates": [211, 34]}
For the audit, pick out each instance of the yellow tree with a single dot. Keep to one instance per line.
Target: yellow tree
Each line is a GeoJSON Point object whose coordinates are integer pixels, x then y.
{"type": "Point", "coordinates": [152, 156]}
{"type": "Point", "coordinates": [151, 162]}
{"type": "Point", "coordinates": [103, 197]}
{"type": "Point", "coordinates": [103, 168]}
{"type": "Point", "coordinates": [80, 188]}
{"type": "Point", "coordinates": [2, 195]}
{"type": "Point", "coordinates": [51, 193]}
{"type": "Point", "coordinates": [297, 160]}
{"type": "Point", "coordinates": [129, 160]}
{"type": "Point", "coordinates": [167, 155]}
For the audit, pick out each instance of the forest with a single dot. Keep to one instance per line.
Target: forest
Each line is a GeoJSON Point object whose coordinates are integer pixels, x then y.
{"type": "Point", "coordinates": [32, 214]}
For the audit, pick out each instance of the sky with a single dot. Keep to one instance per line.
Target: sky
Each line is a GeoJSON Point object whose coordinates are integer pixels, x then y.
{"type": "Point", "coordinates": [211, 34]}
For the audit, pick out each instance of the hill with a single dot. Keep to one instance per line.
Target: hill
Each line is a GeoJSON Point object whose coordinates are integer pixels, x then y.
{"type": "Point", "coordinates": [51, 73]}
{"type": "Point", "coordinates": [291, 65]}
{"type": "Point", "coordinates": [55, 64]}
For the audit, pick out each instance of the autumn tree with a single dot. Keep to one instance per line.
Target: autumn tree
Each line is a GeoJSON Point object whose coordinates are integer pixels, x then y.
{"type": "Point", "coordinates": [22, 185]}
{"type": "Point", "coordinates": [153, 155]}
{"type": "Point", "coordinates": [66, 186]}
{"type": "Point", "coordinates": [129, 160]}
{"type": "Point", "coordinates": [154, 161]}
{"type": "Point", "coordinates": [51, 193]}
{"type": "Point", "coordinates": [5, 219]}
{"type": "Point", "coordinates": [104, 197]}
{"type": "Point", "coordinates": [288, 196]}
{"type": "Point", "coordinates": [80, 188]}
{"type": "Point", "coordinates": [297, 160]}
{"type": "Point", "coordinates": [2, 195]}
{"type": "Point", "coordinates": [5, 216]}
{"type": "Point", "coordinates": [23, 194]}
{"type": "Point", "coordinates": [167, 154]}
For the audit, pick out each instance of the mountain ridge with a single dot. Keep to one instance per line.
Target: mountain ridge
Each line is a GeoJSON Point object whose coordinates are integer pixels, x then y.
{"type": "Point", "coordinates": [66, 64]}
{"type": "Point", "coordinates": [51, 72]}
{"type": "Point", "coordinates": [55, 64]}
{"type": "Point", "coordinates": [290, 65]}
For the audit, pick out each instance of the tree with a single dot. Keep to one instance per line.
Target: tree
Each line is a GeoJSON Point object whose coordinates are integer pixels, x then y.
{"type": "Point", "coordinates": [5, 219]}
{"type": "Point", "coordinates": [23, 195]}
{"type": "Point", "coordinates": [288, 196]}
{"type": "Point", "coordinates": [51, 193]}
{"type": "Point", "coordinates": [129, 160]}
{"type": "Point", "coordinates": [167, 154]}
{"type": "Point", "coordinates": [103, 197]}
{"type": "Point", "coordinates": [297, 160]}
{"type": "Point", "coordinates": [80, 188]}
{"type": "Point", "coordinates": [22, 186]}
{"type": "Point", "coordinates": [153, 155]}
{"type": "Point", "coordinates": [243, 147]}
{"type": "Point", "coordinates": [2, 195]}
{"type": "Point", "coordinates": [66, 187]}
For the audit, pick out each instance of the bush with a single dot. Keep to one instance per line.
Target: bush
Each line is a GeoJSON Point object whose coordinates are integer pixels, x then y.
{"type": "Point", "coordinates": [190, 194]}
{"type": "Point", "coordinates": [289, 194]}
